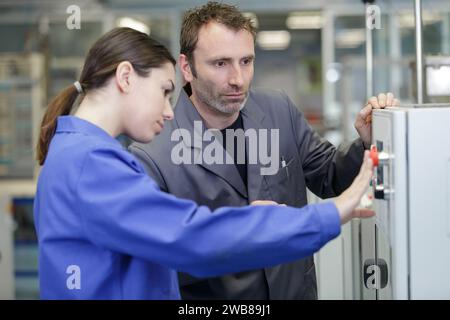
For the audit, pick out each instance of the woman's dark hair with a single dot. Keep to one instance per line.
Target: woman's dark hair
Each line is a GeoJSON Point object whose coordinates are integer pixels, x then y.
{"type": "Point", "coordinates": [116, 46]}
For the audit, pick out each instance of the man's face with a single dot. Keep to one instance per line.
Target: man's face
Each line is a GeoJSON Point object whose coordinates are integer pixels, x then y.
{"type": "Point", "coordinates": [223, 62]}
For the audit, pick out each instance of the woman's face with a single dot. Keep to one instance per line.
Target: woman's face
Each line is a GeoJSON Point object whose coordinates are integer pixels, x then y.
{"type": "Point", "coordinates": [148, 104]}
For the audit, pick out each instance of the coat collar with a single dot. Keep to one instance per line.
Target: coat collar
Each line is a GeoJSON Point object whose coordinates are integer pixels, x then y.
{"type": "Point", "coordinates": [74, 124]}
{"type": "Point", "coordinates": [185, 116]}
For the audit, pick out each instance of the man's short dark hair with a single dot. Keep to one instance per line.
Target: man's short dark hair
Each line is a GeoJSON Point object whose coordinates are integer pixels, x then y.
{"type": "Point", "coordinates": [195, 18]}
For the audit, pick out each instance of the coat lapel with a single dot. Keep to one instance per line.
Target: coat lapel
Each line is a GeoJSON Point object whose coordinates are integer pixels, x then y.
{"type": "Point", "coordinates": [187, 117]}
{"type": "Point", "coordinates": [253, 118]}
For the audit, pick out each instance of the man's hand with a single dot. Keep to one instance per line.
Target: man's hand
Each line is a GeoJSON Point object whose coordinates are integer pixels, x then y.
{"type": "Point", "coordinates": [363, 122]}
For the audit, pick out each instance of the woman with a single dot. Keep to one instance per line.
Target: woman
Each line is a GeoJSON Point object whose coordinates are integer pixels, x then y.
{"type": "Point", "coordinates": [105, 229]}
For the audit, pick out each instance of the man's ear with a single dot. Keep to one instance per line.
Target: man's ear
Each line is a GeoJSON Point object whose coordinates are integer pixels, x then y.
{"type": "Point", "coordinates": [123, 76]}
{"type": "Point", "coordinates": [185, 68]}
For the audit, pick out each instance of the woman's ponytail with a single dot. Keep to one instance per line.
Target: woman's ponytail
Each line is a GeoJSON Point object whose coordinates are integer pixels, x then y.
{"type": "Point", "coordinates": [60, 105]}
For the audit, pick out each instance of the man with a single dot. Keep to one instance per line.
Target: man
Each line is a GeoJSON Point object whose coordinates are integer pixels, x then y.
{"type": "Point", "coordinates": [216, 61]}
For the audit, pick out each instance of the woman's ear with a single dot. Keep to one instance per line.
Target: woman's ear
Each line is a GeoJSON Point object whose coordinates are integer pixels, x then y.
{"type": "Point", "coordinates": [123, 76]}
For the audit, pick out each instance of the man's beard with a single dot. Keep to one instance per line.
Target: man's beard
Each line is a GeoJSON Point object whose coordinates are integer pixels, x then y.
{"type": "Point", "coordinates": [221, 103]}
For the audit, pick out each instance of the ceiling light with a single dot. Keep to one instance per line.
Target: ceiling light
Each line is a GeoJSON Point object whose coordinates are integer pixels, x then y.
{"type": "Point", "coordinates": [407, 19]}
{"type": "Point", "coordinates": [304, 20]}
{"type": "Point", "coordinates": [273, 40]}
{"type": "Point", "coordinates": [134, 24]}
{"type": "Point", "coordinates": [350, 38]}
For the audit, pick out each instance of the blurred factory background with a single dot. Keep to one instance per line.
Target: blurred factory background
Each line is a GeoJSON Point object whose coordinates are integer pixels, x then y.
{"type": "Point", "coordinates": [313, 50]}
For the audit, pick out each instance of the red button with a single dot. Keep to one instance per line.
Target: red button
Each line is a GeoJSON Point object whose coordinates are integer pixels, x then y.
{"type": "Point", "coordinates": [374, 155]}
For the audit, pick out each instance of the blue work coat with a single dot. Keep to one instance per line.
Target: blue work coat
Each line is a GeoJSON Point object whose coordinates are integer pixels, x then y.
{"type": "Point", "coordinates": [106, 231]}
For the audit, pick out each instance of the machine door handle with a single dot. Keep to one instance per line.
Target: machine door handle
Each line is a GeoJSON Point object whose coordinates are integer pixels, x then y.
{"type": "Point", "coordinates": [380, 190]}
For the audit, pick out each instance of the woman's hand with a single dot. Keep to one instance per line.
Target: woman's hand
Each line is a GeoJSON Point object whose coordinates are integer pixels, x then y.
{"type": "Point", "coordinates": [347, 202]}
